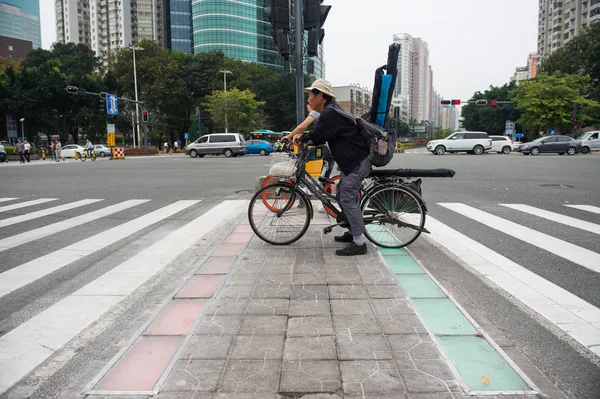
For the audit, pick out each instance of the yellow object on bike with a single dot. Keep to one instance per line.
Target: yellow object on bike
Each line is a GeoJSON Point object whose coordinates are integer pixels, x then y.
{"type": "Point", "coordinates": [313, 168]}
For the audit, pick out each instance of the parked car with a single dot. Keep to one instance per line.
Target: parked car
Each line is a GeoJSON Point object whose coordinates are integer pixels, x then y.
{"type": "Point", "coordinates": [589, 142]}
{"type": "Point", "coordinates": [502, 144]}
{"type": "Point", "coordinates": [552, 144]}
{"type": "Point", "coordinates": [261, 147]}
{"type": "Point", "coordinates": [68, 151]}
{"type": "Point", "coordinates": [469, 142]}
{"type": "Point", "coordinates": [102, 150]}
{"type": "Point", "coordinates": [228, 144]}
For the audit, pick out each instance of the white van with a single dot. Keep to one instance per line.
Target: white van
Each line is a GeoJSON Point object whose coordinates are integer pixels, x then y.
{"type": "Point", "coordinates": [589, 141]}
{"type": "Point", "coordinates": [228, 144]}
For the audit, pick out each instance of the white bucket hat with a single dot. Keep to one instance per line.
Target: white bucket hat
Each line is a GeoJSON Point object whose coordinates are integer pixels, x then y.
{"type": "Point", "coordinates": [324, 86]}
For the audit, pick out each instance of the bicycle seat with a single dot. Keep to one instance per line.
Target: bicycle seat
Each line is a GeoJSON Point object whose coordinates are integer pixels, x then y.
{"type": "Point", "coordinates": [408, 173]}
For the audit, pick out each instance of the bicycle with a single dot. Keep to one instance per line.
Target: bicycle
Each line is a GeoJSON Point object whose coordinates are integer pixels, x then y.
{"type": "Point", "coordinates": [393, 212]}
{"type": "Point", "coordinates": [85, 155]}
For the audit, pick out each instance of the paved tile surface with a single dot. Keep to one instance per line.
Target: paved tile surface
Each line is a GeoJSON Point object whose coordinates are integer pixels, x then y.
{"type": "Point", "coordinates": [298, 321]}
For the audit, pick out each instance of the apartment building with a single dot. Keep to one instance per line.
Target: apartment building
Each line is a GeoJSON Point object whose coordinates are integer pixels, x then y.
{"type": "Point", "coordinates": [107, 25]}
{"type": "Point", "coordinates": [560, 21]}
{"type": "Point", "coordinates": [528, 71]}
{"type": "Point", "coordinates": [354, 98]}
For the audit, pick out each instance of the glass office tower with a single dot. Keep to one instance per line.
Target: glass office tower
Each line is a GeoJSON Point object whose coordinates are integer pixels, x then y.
{"type": "Point", "coordinates": [240, 29]}
{"type": "Point", "coordinates": [178, 24]}
{"type": "Point", "coordinates": [20, 19]}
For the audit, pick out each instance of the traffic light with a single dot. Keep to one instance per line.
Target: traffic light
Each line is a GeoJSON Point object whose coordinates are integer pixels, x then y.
{"type": "Point", "coordinates": [72, 89]}
{"type": "Point", "coordinates": [455, 102]}
{"type": "Point", "coordinates": [310, 67]}
{"type": "Point", "coordinates": [315, 15]}
{"type": "Point", "coordinates": [397, 112]}
{"type": "Point", "coordinates": [102, 106]}
{"type": "Point", "coordinates": [481, 102]}
{"type": "Point", "coordinates": [446, 102]}
{"type": "Point", "coordinates": [279, 16]}
{"type": "Point", "coordinates": [145, 116]}
{"type": "Point", "coordinates": [493, 103]}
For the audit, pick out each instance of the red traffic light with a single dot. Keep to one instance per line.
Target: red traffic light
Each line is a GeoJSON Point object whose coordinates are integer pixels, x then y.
{"type": "Point", "coordinates": [455, 102]}
{"type": "Point", "coordinates": [493, 103]}
{"type": "Point", "coordinates": [446, 102]}
{"type": "Point", "coordinates": [145, 116]}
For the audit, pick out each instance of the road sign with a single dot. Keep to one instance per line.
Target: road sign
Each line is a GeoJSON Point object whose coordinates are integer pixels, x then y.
{"type": "Point", "coordinates": [110, 128]}
{"type": "Point", "coordinates": [552, 132]}
{"type": "Point", "coordinates": [186, 135]}
{"type": "Point", "coordinates": [517, 135]}
{"type": "Point", "coordinates": [510, 127]}
{"type": "Point", "coordinates": [110, 139]}
{"type": "Point", "coordinates": [112, 106]}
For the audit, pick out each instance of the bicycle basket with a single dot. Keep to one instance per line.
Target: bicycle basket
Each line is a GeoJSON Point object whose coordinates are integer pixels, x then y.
{"type": "Point", "coordinates": [283, 164]}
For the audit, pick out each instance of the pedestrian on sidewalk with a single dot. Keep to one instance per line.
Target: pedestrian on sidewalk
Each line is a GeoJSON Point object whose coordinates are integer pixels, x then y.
{"type": "Point", "coordinates": [58, 149]}
{"type": "Point", "coordinates": [26, 150]}
{"type": "Point", "coordinates": [350, 151]}
{"type": "Point", "coordinates": [166, 147]}
{"type": "Point", "coordinates": [19, 147]}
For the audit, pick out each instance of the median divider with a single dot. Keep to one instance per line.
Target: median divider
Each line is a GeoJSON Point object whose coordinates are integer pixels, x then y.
{"type": "Point", "coordinates": [118, 153]}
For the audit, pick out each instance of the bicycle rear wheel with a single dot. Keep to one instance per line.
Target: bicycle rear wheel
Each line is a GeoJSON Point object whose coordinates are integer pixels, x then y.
{"type": "Point", "coordinates": [393, 215]}
{"type": "Point", "coordinates": [274, 216]}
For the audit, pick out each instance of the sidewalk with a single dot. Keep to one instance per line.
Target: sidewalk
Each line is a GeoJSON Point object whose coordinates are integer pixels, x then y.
{"type": "Point", "coordinates": [285, 321]}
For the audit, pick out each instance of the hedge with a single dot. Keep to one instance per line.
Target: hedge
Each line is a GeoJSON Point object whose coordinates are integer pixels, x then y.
{"type": "Point", "coordinates": [140, 151]}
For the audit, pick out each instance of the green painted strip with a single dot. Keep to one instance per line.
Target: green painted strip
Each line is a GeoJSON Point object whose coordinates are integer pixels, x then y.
{"type": "Point", "coordinates": [393, 251]}
{"type": "Point", "coordinates": [420, 286]}
{"type": "Point", "coordinates": [479, 363]}
{"type": "Point", "coordinates": [403, 265]}
{"type": "Point", "coordinates": [443, 317]}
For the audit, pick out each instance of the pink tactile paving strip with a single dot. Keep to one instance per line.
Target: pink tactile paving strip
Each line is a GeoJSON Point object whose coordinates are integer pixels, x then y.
{"type": "Point", "coordinates": [147, 359]}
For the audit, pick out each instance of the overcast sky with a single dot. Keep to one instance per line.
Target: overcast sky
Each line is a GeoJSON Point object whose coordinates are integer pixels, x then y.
{"type": "Point", "coordinates": [472, 43]}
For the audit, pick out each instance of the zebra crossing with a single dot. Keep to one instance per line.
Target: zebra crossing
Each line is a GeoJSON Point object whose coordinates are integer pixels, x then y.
{"type": "Point", "coordinates": [563, 308]}
{"type": "Point", "coordinates": [28, 345]}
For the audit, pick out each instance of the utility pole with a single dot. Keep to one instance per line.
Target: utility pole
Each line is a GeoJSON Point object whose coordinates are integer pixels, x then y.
{"type": "Point", "coordinates": [225, 73]}
{"type": "Point", "coordinates": [299, 61]}
{"type": "Point", "coordinates": [137, 111]}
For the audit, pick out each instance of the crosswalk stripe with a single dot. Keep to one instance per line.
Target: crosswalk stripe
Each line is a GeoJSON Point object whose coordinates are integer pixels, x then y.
{"type": "Point", "coordinates": [7, 199]}
{"type": "Point", "coordinates": [588, 208]}
{"type": "Point", "coordinates": [575, 316]}
{"type": "Point", "coordinates": [30, 344]}
{"type": "Point", "coordinates": [28, 236]}
{"type": "Point", "coordinates": [556, 217]}
{"type": "Point", "coordinates": [46, 212]}
{"type": "Point", "coordinates": [29, 272]}
{"type": "Point", "coordinates": [26, 204]}
{"type": "Point", "coordinates": [571, 252]}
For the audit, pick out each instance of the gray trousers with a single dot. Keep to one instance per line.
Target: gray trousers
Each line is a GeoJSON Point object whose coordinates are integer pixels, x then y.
{"type": "Point", "coordinates": [348, 196]}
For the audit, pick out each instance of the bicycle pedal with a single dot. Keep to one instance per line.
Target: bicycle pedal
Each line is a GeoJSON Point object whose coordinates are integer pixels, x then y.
{"type": "Point", "coordinates": [327, 230]}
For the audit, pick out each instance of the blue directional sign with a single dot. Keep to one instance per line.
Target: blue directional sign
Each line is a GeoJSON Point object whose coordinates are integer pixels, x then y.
{"type": "Point", "coordinates": [552, 132]}
{"type": "Point", "coordinates": [518, 135]}
{"type": "Point", "coordinates": [112, 106]}
{"type": "Point", "coordinates": [186, 135]}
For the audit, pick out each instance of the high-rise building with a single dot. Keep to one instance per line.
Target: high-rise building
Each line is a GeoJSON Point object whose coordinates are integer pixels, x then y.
{"type": "Point", "coordinates": [241, 30]}
{"type": "Point", "coordinates": [178, 25]}
{"type": "Point", "coordinates": [20, 19]}
{"type": "Point", "coordinates": [560, 21]}
{"type": "Point", "coordinates": [404, 79]}
{"type": "Point", "coordinates": [107, 25]}
{"type": "Point", "coordinates": [526, 72]}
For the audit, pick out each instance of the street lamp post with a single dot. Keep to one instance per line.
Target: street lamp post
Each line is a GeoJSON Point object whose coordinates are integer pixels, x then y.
{"type": "Point", "coordinates": [225, 73]}
{"type": "Point", "coordinates": [137, 110]}
{"type": "Point", "coordinates": [22, 120]}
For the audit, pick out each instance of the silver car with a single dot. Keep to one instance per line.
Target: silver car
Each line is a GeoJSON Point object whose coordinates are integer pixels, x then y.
{"type": "Point", "coordinates": [557, 144]}
{"type": "Point", "coordinates": [589, 141]}
{"type": "Point", "coordinates": [102, 150]}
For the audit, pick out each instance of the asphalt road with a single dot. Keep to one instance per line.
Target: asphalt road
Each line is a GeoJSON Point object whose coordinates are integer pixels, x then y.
{"type": "Point", "coordinates": [547, 182]}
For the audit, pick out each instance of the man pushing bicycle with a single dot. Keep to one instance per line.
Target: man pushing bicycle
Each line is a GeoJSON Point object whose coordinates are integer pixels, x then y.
{"type": "Point", "coordinates": [351, 152]}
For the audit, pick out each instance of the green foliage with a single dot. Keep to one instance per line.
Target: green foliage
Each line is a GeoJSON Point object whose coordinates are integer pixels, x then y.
{"type": "Point", "coordinates": [240, 108]}
{"type": "Point", "coordinates": [485, 118]}
{"type": "Point", "coordinates": [547, 101]}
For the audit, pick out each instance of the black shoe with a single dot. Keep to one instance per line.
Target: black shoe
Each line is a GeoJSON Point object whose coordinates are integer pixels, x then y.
{"type": "Point", "coordinates": [346, 237]}
{"type": "Point", "coordinates": [352, 249]}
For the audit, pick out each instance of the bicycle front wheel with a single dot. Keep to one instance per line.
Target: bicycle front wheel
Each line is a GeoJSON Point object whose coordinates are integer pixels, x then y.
{"type": "Point", "coordinates": [278, 215]}
{"type": "Point", "coordinates": [393, 215]}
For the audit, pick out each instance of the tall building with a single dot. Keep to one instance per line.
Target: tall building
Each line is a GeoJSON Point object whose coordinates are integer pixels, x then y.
{"type": "Point", "coordinates": [560, 21]}
{"type": "Point", "coordinates": [178, 25]}
{"type": "Point", "coordinates": [449, 117]}
{"type": "Point", "coordinates": [527, 72]}
{"type": "Point", "coordinates": [107, 25]}
{"type": "Point", "coordinates": [354, 98]}
{"type": "Point", "coordinates": [241, 30]}
{"type": "Point", "coordinates": [404, 80]}
{"type": "Point", "coordinates": [20, 19]}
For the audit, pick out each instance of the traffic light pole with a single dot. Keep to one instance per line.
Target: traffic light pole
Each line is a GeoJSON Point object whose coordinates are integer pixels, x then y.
{"type": "Point", "coordinates": [299, 61]}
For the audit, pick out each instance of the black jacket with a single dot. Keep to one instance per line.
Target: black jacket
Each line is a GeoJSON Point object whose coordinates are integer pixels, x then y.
{"type": "Point", "coordinates": [348, 147]}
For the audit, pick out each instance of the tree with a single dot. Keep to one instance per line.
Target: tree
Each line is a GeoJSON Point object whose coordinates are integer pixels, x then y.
{"type": "Point", "coordinates": [486, 118]}
{"type": "Point", "coordinates": [239, 107]}
{"type": "Point", "coordinates": [547, 101]}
